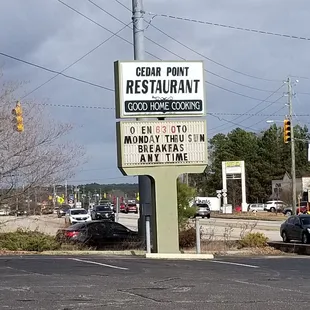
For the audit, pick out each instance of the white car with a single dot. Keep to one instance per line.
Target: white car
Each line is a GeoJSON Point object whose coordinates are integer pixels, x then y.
{"type": "Point", "coordinates": [79, 215]}
{"type": "Point", "coordinates": [256, 207]}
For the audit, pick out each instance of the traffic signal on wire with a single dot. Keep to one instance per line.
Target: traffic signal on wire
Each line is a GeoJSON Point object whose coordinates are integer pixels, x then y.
{"type": "Point", "coordinates": [18, 117]}
{"type": "Point", "coordinates": [287, 131]}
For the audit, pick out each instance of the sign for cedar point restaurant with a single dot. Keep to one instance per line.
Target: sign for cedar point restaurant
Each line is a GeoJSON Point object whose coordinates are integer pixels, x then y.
{"type": "Point", "coordinates": [162, 143]}
{"type": "Point", "coordinates": [159, 88]}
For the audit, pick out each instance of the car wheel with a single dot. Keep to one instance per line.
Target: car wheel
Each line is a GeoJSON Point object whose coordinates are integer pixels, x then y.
{"type": "Point", "coordinates": [304, 238]}
{"type": "Point", "coordinates": [203, 216]}
{"type": "Point", "coordinates": [126, 211]}
{"type": "Point", "coordinates": [284, 237]}
{"type": "Point", "coordinates": [288, 213]}
{"type": "Point", "coordinates": [208, 216]}
{"type": "Point", "coordinates": [273, 210]}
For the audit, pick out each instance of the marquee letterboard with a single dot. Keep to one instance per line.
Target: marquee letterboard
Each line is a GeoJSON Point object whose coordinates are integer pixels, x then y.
{"type": "Point", "coordinates": [160, 143]}
{"type": "Point", "coordinates": [154, 89]}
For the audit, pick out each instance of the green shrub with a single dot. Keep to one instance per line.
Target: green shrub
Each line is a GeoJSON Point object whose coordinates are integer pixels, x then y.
{"type": "Point", "coordinates": [185, 196]}
{"type": "Point", "coordinates": [253, 240]}
{"type": "Point", "coordinates": [187, 237]}
{"type": "Point", "coordinates": [23, 240]}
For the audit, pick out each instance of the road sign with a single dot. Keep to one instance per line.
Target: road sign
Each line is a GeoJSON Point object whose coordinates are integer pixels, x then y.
{"type": "Point", "coordinates": [219, 195]}
{"type": "Point", "coordinates": [153, 88]}
{"type": "Point", "coordinates": [224, 195]}
{"type": "Point", "coordinates": [157, 143]}
{"type": "Point", "coordinates": [70, 201]}
{"type": "Point", "coordinates": [224, 190]}
{"type": "Point", "coordinates": [219, 191]}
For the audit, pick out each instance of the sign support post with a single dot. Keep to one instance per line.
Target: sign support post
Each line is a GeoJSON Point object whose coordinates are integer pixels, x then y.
{"type": "Point", "coordinates": [138, 46]}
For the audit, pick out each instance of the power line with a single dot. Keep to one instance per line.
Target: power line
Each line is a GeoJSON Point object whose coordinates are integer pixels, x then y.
{"type": "Point", "coordinates": [231, 122]}
{"type": "Point", "coordinates": [251, 109]}
{"type": "Point", "coordinates": [101, 26]}
{"type": "Point", "coordinates": [230, 26]}
{"type": "Point", "coordinates": [123, 5]}
{"type": "Point", "coordinates": [54, 71]}
{"type": "Point", "coordinates": [75, 62]}
{"type": "Point", "coordinates": [212, 129]}
{"type": "Point", "coordinates": [200, 54]}
{"type": "Point", "coordinates": [217, 63]}
{"type": "Point", "coordinates": [175, 54]}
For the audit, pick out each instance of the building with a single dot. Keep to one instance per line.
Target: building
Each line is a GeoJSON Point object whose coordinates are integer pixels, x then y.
{"type": "Point", "coordinates": [282, 189]}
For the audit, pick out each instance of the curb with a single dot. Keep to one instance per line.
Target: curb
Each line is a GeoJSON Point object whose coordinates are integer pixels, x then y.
{"type": "Point", "coordinates": [179, 256]}
{"type": "Point", "coordinates": [123, 253]}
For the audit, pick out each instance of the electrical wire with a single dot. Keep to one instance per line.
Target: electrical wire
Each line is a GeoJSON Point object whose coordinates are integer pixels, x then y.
{"type": "Point", "coordinates": [257, 105]}
{"type": "Point", "coordinates": [75, 62]}
{"type": "Point", "coordinates": [175, 54]}
{"type": "Point", "coordinates": [101, 26]}
{"type": "Point", "coordinates": [229, 26]}
{"type": "Point", "coordinates": [54, 71]}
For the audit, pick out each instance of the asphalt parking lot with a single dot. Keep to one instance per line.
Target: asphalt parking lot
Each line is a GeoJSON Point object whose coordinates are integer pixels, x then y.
{"type": "Point", "coordinates": [96, 282]}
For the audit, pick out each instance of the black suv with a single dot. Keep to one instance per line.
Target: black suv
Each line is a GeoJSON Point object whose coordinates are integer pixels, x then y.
{"type": "Point", "coordinates": [102, 212]}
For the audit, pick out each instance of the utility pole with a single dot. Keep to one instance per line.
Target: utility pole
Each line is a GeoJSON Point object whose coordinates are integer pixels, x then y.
{"type": "Point", "coordinates": [54, 196]}
{"type": "Point", "coordinates": [293, 168]}
{"type": "Point", "coordinates": [138, 45]}
{"type": "Point", "coordinates": [66, 191]}
{"type": "Point", "coordinates": [28, 201]}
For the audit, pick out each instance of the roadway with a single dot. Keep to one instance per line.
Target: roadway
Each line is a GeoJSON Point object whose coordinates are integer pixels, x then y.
{"type": "Point", "coordinates": [217, 227]}
{"type": "Point", "coordinates": [131, 283]}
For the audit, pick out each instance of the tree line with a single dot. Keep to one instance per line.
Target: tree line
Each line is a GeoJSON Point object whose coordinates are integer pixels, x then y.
{"type": "Point", "coordinates": [266, 158]}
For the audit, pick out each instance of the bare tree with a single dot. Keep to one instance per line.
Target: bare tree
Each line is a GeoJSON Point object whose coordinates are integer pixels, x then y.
{"type": "Point", "coordinates": [37, 157]}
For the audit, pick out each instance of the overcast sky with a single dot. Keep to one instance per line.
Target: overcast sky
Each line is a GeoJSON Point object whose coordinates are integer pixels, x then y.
{"type": "Point", "coordinates": [48, 33]}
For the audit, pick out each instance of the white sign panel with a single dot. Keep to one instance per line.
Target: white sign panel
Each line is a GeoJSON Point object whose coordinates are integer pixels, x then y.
{"type": "Point", "coordinates": [160, 143]}
{"type": "Point", "coordinates": [305, 183]}
{"type": "Point", "coordinates": [153, 89]}
{"type": "Point", "coordinates": [233, 167]}
{"type": "Point", "coordinates": [213, 202]}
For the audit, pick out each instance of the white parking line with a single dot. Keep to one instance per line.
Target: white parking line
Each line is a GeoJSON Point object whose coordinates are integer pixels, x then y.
{"type": "Point", "coordinates": [99, 264]}
{"type": "Point", "coordinates": [232, 263]}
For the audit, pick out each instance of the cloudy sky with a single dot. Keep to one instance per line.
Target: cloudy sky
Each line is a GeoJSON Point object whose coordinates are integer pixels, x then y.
{"type": "Point", "coordinates": [245, 68]}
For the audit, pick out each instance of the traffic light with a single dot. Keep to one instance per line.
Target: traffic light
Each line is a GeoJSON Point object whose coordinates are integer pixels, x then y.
{"type": "Point", "coordinates": [18, 118]}
{"type": "Point", "coordinates": [287, 131]}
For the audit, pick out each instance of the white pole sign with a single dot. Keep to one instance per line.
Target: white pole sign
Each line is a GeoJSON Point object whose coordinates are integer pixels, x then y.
{"type": "Point", "coordinates": [158, 143]}
{"type": "Point", "coordinates": [153, 89]}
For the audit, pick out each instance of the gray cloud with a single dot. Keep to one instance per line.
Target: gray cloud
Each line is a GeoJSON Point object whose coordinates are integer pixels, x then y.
{"type": "Point", "coordinates": [48, 33]}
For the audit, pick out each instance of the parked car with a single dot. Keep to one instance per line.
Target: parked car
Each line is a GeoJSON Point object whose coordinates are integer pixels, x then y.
{"type": "Point", "coordinates": [122, 207]}
{"type": "Point", "coordinates": [78, 215]}
{"type": "Point", "coordinates": [296, 227]}
{"type": "Point", "coordinates": [301, 207]}
{"type": "Point", "coordinates": [102, 212]}
{"type": "Point", "coordinates": [63, 210]}
{"type": "Point", "coordinates": [275, 206]}
{"type": "Point", "coordinates": [131, 208]}
{"type": "Point", "coordinates": [98, 234]}
{"type": "Point", "coordinates": [256, 207]}
{"type": "Point", "coordinates": [203, 210]}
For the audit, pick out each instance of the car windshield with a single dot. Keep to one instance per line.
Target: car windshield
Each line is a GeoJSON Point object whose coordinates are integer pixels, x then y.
{"type": "Point", "coordinates": [76, 212]}
{"type": "Point", "coordinates": [305, 220]}
{"type": "Point", "coordinates": [103, 208]}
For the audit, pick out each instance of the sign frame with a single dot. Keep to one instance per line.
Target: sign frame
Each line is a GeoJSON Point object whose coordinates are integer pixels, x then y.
{"type": "Point", "coordinates": [120, 102]}
{"type": "Point", "coordinates": [120, 146]}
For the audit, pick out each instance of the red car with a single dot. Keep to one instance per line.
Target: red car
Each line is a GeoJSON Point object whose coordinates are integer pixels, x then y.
{"type": "Point", "coordinates": [122, 207]}
{"type": "Point", "coordinates": [131, 208]}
